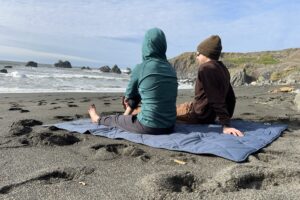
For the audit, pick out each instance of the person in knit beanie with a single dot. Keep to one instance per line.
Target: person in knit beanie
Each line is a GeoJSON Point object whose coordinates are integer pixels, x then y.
{"type": "Point", "coordinates": [214, 97]}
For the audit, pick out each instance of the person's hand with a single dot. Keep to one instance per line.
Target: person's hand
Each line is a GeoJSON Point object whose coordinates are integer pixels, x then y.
{"type": "Point", "coordinates": [124, 102]}
{"type": "Point", "coordinates": [232, 131]}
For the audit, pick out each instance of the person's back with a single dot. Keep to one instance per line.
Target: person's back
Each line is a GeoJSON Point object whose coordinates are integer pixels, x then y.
{"type": "Point", "coordinates": [156, 83]}
{"type": "Point", "coordinates": [214, 96]}
{"type": "Point", "coordinates": [158, 90]}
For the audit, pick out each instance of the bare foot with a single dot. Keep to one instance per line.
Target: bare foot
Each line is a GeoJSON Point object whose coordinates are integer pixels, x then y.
{"type": "Point", "coordinates": [93, 114]}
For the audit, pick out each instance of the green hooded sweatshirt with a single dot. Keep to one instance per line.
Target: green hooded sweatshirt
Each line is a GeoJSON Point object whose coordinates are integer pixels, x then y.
{"type": "Point", "coordinates": [155, 81]}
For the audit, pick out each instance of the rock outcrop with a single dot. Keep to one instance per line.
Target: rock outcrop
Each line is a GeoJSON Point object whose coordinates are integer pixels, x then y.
{"type": "Point", "coordinates": [88, 68]}
{"type": "Point", "coordinates": [31, 64]}
{"type": "Point", "coordinates": [116, 69]}
{"type": "Point", "coordinates": [63, 64]}
{"type": "Point", "coordinates": [105, 69]}
{"type": "Point", "coordinates": [185, 65]}
{"type": "Point", "coordinates": [240, 78]}
{"type": "Point", "coordinates": [3, 71]}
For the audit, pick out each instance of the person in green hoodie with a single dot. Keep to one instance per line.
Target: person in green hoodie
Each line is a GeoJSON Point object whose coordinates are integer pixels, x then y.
{"type": "Point", "coordinates": [154, 84]}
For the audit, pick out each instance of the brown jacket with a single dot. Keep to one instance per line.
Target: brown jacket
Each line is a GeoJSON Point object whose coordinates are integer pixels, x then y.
{"type": "Point", "coordinates": [214, 96]}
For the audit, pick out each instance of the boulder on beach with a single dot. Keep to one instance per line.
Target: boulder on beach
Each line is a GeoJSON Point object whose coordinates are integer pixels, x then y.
{"type": "Point", "coordinates": [240, 78]}
{"type": "Point", "coordinates": [116, 69]}
{"type": "Point", "coordinates": [63, 64]}
{"type": "Point", "coordinates": [105, 68]}
{"type": "Point", "coordinates": [31, 64]}
{"type": "Point", "coordinates": [3, 71]}
{"type": "Point", "coordinates": [8, 67]}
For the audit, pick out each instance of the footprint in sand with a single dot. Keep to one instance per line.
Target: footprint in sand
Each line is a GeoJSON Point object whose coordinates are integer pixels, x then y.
{"type": "Point", "coordinates": [52, 139]}
{"type": "Point", "coordinates": [85, 100]}
{"type": "Point", "coordinates": [48, 138]}
{"type": "Point", "coordinates": [104, 97]}
{"type": "Point", "coordinates": [254, 177]}
{"type": "Point", "coordinates": [15, 104]}
{"type": "Point", "coordinates": [79, 116]}
{"type": "Point", "coordinates": [49, 177]}
{"type": "Point", "coordinates": [23, 127]}
{"type": "Point", "coordinates": [113, 151]}
{"type": "Point", "coordinates": [14, 108]}
{"type": "Point", "coordinates": [72, 105]}
{"type": "Point", "coordinates": [42, 102]}
{"type": "Point", "coordinates": [106, 102]}
{"type": "Point", "coordinates": [64, 118]}
{"type": "Point", "coordinates": [275, 157]}
{"type": "Point", "coordinates": [26, 135]}
{"type": "Point", "coordinates": [168, 182]}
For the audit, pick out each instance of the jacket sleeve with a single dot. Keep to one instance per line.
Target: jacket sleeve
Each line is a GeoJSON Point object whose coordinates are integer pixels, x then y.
{"type": "Point", "coordinates": [132, 87]}
{"type": "Point", "coordinates": [215, 92]}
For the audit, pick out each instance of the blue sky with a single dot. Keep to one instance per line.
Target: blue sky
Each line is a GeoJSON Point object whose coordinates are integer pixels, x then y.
{"type": "Point", "coordinates": [106, 32]}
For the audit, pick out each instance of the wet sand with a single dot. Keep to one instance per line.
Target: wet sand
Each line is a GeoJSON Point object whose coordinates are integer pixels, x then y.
{"type": "Point", "coordinates": [45, 163]}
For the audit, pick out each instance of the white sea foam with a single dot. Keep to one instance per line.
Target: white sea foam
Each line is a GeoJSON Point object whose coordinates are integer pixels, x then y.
{"type": "Point", "coordinates": [23, 79]}
{"type": "Point", "coordinates": [101, 90]}
{"type": "Point", "coordinates": [17, 74]}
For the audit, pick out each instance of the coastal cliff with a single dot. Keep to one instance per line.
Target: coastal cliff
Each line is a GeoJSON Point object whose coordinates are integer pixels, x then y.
{"type": "Point", "coordinates": [267, 67]}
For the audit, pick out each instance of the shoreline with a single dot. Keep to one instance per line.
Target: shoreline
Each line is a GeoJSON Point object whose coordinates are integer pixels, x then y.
{"type": "Point", "coordinates": [238, 88]}
{"type": "Point", "coordinates": [79, 92]}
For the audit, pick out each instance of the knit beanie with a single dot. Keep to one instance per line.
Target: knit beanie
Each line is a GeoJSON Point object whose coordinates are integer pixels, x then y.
{"type": "Point", "coordinates": [211, 47]}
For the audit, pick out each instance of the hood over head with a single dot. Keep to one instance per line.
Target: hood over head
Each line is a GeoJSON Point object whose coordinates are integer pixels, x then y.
{"type": "Point", "coordinates": [154, 45]}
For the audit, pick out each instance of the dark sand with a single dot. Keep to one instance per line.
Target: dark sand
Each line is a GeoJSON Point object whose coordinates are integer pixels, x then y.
{"type": "Point", "coordinates": [44, 163]}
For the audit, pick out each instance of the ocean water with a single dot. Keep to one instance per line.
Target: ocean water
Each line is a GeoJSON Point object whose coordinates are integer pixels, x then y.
{"type": "Point", "coordinates": [21, 79]}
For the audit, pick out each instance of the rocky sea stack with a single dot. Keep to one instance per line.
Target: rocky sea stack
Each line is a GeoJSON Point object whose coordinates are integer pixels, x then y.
{"type": "Point", "coordinates": [63, 64]}
{"type": "Point", "coordinates": [114, 69]}
{"type": "Point", "coordinates": [87, 68]}
{"type": "Point", "coordinates": [31, 64]}
{"type": "Point", "coordinates": [3, 71]}
{"type": "Point", "coordinates": [105, 68]}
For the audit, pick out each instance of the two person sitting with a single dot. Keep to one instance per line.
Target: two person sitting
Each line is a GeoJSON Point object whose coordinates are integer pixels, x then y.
{"type": "Point", "coordinates": [154, 84]}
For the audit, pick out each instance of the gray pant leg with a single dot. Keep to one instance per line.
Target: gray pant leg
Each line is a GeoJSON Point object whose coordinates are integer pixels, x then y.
{"type": "Point", "coordinates": [125, 122]}
{"type": "Point", "coordinates": [131, 123]}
